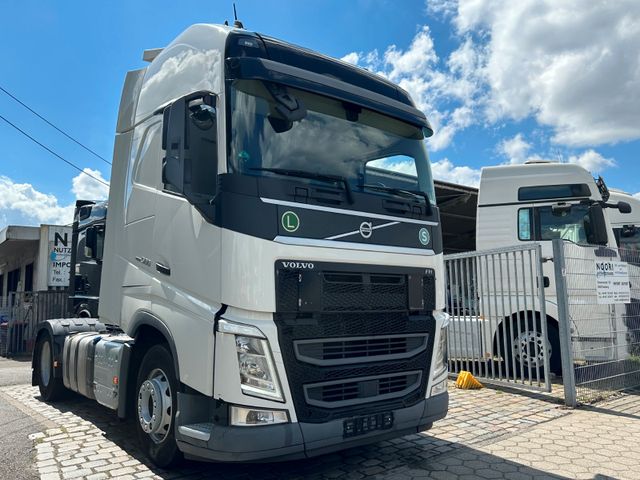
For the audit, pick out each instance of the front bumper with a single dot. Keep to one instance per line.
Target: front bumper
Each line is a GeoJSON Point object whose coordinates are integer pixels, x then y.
{"type": "Point", "coordinates": [302, 440]}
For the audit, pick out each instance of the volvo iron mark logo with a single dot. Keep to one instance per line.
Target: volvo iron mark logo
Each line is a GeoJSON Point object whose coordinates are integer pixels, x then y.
{"type": "Point", "coordinates": [366, 229]}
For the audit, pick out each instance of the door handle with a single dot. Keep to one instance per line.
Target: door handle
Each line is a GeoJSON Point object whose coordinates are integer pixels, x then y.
{"type": "Point", "coordinates": [545, 282]}
{"type": "Point", "coordinates": [163, 269]}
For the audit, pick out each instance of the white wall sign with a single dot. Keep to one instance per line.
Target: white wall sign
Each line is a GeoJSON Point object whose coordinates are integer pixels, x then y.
{"type": "Point", "coordinates": [612, 282]}
{"type": "Point", "coordinates": [59, 256]}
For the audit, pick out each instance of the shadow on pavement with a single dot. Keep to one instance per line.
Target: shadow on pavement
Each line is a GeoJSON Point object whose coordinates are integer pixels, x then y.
{"type": "Point", "coordinates": [405, 458]}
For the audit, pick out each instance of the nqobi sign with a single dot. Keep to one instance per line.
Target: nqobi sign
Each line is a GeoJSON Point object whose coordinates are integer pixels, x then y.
{"type": "Point", "coordinates": [59, 256]}
{"type": "Point", "coordinates": [612, 282]}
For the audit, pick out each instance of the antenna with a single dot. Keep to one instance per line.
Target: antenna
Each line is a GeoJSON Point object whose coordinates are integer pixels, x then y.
{"type": "Point", "coordinates": [236, 23]}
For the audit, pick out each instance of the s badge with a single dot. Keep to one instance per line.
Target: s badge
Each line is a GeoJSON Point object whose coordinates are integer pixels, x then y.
{"type": "Point", "coordinates": [423, 236]}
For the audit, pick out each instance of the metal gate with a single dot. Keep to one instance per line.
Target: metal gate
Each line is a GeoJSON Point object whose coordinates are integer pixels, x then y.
{"type": "Point", "coordinates": [498, 328]}
{"type": "Point", "coordinates": [598, 290]}
{"type": "Point", "coordinates": [25, 311]}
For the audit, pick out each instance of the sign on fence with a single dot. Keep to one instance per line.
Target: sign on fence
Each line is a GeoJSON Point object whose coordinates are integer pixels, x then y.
{"type": "Point", "coordinates": [612, 282]}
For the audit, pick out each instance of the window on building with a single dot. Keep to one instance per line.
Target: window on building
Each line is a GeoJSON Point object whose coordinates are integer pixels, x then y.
{"type": "Point", "coordinates": [28, 278]}
{"type": "Point", "coordinates": [12, 281]}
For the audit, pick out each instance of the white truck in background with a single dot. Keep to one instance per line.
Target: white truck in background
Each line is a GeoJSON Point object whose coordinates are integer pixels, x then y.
{"type": "Point", "coordinates": [521, 204]}
{"type": "Point", "coordinates": [626, 227]}
{"type": "Point", "coordinates": [271, 288]}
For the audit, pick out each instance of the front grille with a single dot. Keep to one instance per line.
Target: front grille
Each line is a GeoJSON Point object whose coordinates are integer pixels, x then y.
{"type": "Point", "coordinates": [343, 292]}
{"type": "Point", "coordinates": [361, 390]}
{"type": "Point", "coordinates": [337, 351]}
{"type": "Point", "coordinates": [355, 339]}
{"type": "Point", "coordinates": [340, 291]}
{"type": "Point", "coordinates": [301, 327]}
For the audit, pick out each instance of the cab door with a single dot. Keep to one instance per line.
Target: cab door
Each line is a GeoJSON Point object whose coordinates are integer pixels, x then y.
{"type": "Point", "coordinates": [186, 243]}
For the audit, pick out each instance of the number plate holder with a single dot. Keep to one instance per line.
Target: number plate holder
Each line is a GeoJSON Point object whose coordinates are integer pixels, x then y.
{"type": "Point", "coordinates": [353, 427]}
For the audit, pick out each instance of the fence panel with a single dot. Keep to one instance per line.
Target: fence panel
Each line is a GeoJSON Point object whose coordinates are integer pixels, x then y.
{"type": "Point", "coordinates": [498, 329]}
{"type": "Point", "coordinates": [603, 309]}
{"type": "Point", "coordinates": [26, 310]}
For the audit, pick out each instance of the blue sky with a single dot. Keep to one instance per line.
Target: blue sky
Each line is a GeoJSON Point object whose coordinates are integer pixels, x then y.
{"type": "Point", "coordinates": [502, 82]}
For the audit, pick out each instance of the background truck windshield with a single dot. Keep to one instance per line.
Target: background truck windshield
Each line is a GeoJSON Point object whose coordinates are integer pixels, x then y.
{"type": "Point", "coordinates": [541, 223]}
{"type": "Point", "coordinates": [330, 138]}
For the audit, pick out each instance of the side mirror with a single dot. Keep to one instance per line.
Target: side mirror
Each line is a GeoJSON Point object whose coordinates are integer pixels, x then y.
{"type": "Point", "coordinates": [173, 140]}
{"type": "Point", "coordinates": [94, 242]}
{"type": "Point", "coordinates": [598, 234]}
{"type": "Point", "coordinates": [189, 138]}
{"type": "Point", "coordinates": [560, 209]}
{"type": "Point", "coordinates": [624, 207]}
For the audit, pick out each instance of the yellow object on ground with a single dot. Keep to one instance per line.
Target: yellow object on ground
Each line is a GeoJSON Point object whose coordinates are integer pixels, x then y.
{"type": "Point", "coordinates": [467, 381]}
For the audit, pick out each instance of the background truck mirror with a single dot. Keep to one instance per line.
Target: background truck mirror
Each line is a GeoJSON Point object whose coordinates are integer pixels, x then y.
{"type": "Point", "coordinates": [94, 242]}
{"type": "Point", "coordinates": [624, 207]}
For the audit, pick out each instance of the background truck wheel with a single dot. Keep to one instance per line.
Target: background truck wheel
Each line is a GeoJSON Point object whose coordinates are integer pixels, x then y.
{"type": "Point", "coordinates": [155, 407]}
{"type": "Point", "coordinates": [51, 388]}
{"type": "Point", "coordinates": [526, 346]}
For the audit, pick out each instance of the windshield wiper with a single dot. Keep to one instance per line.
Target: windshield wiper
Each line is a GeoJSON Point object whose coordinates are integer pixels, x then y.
{"type": "Point", "coordinates": [311, 175]}
{"type": "Point", "coordinates": [402, 191]}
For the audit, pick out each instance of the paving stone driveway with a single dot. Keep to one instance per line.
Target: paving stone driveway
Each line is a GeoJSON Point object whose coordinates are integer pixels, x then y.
{"type": "Point", "coordinates": [488, 434]}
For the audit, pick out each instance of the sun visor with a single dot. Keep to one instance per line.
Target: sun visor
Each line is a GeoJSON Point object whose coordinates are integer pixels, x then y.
{"type": "Point", "coordinates": [264, 69]}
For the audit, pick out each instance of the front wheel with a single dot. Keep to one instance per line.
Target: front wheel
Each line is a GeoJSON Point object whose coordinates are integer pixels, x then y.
{"type": "Point", "coordinates": [527, 347]}
{"type": "Point", "coordinates": [51, 388]}
{"type": "Point", "coordinates": [156, 402]}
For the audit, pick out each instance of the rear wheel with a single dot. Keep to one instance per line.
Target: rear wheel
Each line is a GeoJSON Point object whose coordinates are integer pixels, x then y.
{"type": "Point", "coordinates": [51, 388]}
{"type": "Point", "coordinates": [156, 402]}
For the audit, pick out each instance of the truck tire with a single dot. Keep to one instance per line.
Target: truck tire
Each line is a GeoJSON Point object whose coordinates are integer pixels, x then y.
{"type": "Point", "coordinates": [51, 388]}
{"type": "Point", "coordinates": [526, 343]}
{"type": "Point", "coordinates": [155, 407]}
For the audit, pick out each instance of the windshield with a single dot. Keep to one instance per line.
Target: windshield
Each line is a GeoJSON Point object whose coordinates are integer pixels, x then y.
{"type": "Point", "coordinates": [370, 151]}
{"type": "Point", "coordinates": [628, 238]}
{"type": "Point", "coordinates": [574, 225]}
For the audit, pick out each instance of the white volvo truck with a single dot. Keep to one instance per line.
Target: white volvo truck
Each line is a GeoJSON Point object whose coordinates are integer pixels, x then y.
{"type": "Point", "coordinates": [521, 204]}
{"type": "Point", "coordinates": [270, 287]}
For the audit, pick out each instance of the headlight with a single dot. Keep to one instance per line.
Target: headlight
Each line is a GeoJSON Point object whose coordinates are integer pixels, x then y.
{"type": "Point", "coordinates": [441, 354]}
{"type": "Point", "coordinates": [258, 375]}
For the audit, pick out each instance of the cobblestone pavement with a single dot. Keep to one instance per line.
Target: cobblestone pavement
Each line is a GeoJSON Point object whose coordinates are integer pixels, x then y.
{"type": "Point", "coordinates": [488, 434]}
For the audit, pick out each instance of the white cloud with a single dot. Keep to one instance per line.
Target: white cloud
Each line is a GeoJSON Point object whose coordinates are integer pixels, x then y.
{"type": "Point", "coordinates": [353, 58]}
{"type": "Point", "coordinates": [446, 171]}
{"type": "Point", "coordinates": [592, 161]}
{"type": "Point", "coordinates": [23, 200]}
{"type": "Point", "coordinates": [86, 188]}
{"type": "Point", "coordinates": [22, 203]}
{"type": "Point", "coordinates": [572, 65]}
{"type": "Point", "coordinates": [515, 149]}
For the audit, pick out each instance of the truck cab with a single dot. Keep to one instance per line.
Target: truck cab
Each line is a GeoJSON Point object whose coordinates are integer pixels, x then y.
{"type": "Point", "coordinates": [84, 284]}
{"type": "Point", "coordinates": [538, 202]}
{"type": "Point", "coordinates": [626, 227]}
{"type": "Point", "coordinates": [272, 271]}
